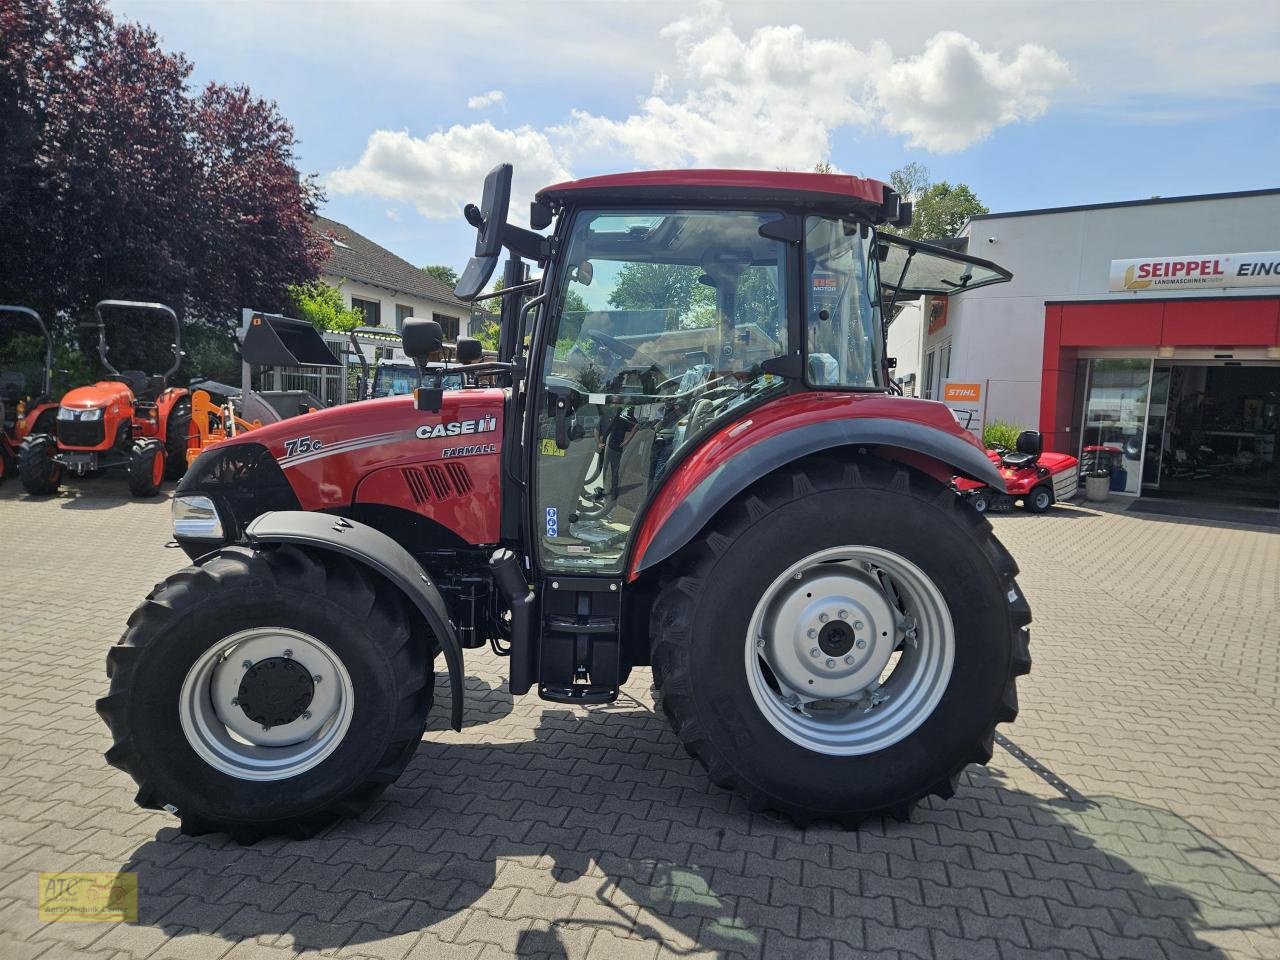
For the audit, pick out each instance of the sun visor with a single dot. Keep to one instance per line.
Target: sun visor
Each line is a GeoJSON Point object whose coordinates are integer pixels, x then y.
{"type": "Point", "coordinates": [275, 341]}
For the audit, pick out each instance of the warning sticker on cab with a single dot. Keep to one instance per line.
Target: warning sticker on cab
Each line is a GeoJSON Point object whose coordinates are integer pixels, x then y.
{"type": "Point", "coordinates": [550, 448]}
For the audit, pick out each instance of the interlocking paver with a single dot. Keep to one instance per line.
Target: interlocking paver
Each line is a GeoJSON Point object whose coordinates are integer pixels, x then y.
{"type": "Point", "coordinates": [571, 833]}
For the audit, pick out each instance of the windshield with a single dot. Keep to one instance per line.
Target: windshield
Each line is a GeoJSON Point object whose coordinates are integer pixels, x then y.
{"type": "Point", "coordinates": [399, 381]}
{"type": "Point", "coordinates": [663, 322]}
{"type": "Point", "coordinates": [842, 323]}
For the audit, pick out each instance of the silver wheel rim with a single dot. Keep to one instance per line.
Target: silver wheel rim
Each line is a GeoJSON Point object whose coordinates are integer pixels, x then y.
{"type": "Point", "coordinates": [849, 650]}
{"type": "Point", "coordinates": [1042, 499]}
{"type": "Point", "coordinates": [980, 504]}
{"type": "Point", "coordinates": [222, 734]}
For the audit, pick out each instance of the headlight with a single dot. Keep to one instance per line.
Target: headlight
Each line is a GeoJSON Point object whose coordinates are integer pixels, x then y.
{"type": "Point", "coordinates": [196, 517]}
{"type": "Point", "coordinates": [94, 414]}
{"type": "Point", "coordinates": [71, 413]}
{"type": "Point", "coordinates": [66, 413]}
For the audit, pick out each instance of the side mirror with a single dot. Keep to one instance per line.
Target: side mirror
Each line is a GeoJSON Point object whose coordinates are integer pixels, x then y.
{"type": "Point", "coordinates": [470, 350]}
{"type": "Point", "coordinates": [421, 337]}
{"type": "Point", "coordinates": [490, 221]}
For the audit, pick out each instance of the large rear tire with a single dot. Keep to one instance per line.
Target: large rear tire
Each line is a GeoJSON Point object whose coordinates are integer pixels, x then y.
{"type": "Point", "coordinates": [881, 654]}
{"type": "Point", "coordinates": [175, 440]}
{"type": "Point", "coordinates": [219, 650]}
{"type": "Point", "coordinates": [40, 474]}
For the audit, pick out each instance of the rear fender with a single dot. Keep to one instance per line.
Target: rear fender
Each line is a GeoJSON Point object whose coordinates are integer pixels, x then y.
{"type": "Point", "coordinates": [666, 527]}
{"type": "Point", "coordinates": [381, 554]}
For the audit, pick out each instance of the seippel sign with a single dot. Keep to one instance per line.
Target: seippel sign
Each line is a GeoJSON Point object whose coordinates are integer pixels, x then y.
{"type": "Point", "coordinates": [1206, 270]}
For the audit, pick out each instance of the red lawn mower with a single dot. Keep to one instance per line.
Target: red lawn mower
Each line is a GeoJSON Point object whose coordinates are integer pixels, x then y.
{"type": "Point", "coordinates": [26, 372]}
{"type": "Point", "coordinates": [1036, 478]}
{"type": "Point", "coordinates": [833, 632]}
{"type": "Point", "coordinates": [130, 420]}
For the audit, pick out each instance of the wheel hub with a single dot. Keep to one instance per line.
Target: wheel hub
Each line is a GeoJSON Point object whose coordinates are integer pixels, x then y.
{"type": "Point", "coordinates": [830, 635]}
{"type": "Point", "coordinates": [275, 691]}
{"type": "Point", "coordinates": [821, 645]}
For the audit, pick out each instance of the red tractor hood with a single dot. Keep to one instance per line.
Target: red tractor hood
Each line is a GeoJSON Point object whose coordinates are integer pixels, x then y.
{"type": "Point", "coordinates": [100, 394]}
{"type": "Point", "coordinates": [325, 455]}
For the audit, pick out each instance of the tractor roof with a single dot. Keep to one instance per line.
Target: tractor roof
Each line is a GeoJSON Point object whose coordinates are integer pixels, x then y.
{"type": "Point", "coordinates": [825, 189]}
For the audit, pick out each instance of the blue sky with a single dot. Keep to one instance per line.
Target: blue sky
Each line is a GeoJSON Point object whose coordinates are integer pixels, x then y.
{"type": "Point", "coordinates": [401, 107]}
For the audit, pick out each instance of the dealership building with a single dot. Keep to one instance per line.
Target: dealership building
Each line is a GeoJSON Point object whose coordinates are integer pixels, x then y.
{"type": "Point", "coordinates": [1143, 336]}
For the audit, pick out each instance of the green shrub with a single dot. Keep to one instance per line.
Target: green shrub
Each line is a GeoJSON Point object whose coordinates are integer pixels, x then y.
{"type": "Point", "coordinates": [1001, 435]}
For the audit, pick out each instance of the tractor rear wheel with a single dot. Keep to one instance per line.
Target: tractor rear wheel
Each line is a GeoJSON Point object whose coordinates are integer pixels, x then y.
{"type": "Point", "coordinates": [175, 440]}
{"type": "Point", "coordinates": [40, 474]}
{"type": "Point", "coordinates": [882, 651]}
{"type": "Point", "coordinates": [146, 468]}
{"type": "Point", "coordinates": [267, 692]}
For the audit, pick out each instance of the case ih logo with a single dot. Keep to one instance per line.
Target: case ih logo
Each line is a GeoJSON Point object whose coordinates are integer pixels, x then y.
{"type": "Point", "coordinates": [457, 428]}
{"type": "Point", "coordinates": [1210, 270]}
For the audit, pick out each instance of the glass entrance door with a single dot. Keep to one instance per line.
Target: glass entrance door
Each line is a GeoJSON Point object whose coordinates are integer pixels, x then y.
{"type": "Point", "coordinates": [1113, 431]}
{"type": "Point", "coordinates": [1157, 420]}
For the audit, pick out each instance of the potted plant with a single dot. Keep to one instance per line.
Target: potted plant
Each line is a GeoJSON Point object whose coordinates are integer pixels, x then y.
{"type": "Point", "coordinates": [1096, 485]}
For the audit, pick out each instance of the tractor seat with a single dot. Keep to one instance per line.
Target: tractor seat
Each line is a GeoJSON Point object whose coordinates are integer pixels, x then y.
{"type": "Point", "coordinates": [1028, 450]}
{"type": "Point", "coordinates": [139, 384]}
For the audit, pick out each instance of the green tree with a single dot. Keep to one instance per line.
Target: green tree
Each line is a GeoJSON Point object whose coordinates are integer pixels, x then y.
{"type": "Point", "coordinates": [663, 286]}
{"type": "Point", "coordinates": [446, 275]}
{"type": "Point", "coordinates": [321, 305]}
{"type": "Point", "coordinates": [941, 209]}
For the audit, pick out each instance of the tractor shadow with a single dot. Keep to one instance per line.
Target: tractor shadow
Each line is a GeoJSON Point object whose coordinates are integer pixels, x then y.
{"type": "Point", "coordinates": [600, 825]}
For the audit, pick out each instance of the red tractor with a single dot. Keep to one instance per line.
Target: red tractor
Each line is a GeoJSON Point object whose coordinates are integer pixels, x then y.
{"type": "Point", "coordinates": [687, 456]}
{"type": "Point", "coordinates": [128, 420]}
{"type": "Point", "coordinates": [26, 369]}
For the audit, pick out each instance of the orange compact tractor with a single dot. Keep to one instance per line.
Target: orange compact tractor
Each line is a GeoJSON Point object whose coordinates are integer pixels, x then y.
{"type": "Point", "coordinates": [26, 364]}
{"type": "Point", "coordinates": [129, 419]}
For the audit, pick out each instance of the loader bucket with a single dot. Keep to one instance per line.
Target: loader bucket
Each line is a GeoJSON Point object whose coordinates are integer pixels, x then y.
{"type": "Point", "coordinates": [275, 341]}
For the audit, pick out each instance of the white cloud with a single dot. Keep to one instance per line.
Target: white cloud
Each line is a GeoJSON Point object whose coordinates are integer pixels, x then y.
{"type": "Point", "coordinates": [774, 98]}
{"type": "Point", "coordinates": [443, 171]}
{"type": "Point", "coordinates": [492, 98]}
{"type": "Point", "coordinates": [955, 93]}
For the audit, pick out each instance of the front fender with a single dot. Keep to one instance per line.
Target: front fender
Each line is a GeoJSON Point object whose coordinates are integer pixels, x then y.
{"type": "Point", "coordinates": [384, 556]}
{"type": "Point", "coordinates": [664, 531]}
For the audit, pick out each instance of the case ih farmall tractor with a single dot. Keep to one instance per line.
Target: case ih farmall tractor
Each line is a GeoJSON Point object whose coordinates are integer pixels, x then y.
{"type": "Point", "coordinates": [128, 420]}
{"type": "Point", "coordinates": [26, 371]}
{"type": "Point", "coordinates": [833, 633]}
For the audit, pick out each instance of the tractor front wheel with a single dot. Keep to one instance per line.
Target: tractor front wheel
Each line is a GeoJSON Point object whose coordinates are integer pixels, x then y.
{"type": "Point", "coordinates": [267, 692]}
{"type": "Point", "coordinates": [146, 468]}
{"type": "Point", "coordinates": [175, 440]}
{"type": "Point", "coordinates": [878, 652]}
{"type": "Point", "coordinates": [40, 474]}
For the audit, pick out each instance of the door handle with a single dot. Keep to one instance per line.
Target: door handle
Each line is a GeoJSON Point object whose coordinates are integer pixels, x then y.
{"type": "Point", "coordinates": [561, 402]}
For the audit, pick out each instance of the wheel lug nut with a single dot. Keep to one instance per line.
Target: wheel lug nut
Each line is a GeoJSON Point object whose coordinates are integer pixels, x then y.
{"type": "Point", "coordinates": [813, 634]}
{"type": "Point", "coordinates": [246, 665]}
{"type": "Point", "coordinates": [265, 728]}
{"type": "Point", "coordinates": [861, 644]}
{"type": "Point", "coordinates": [844, 614]}
{"type": "Point", "coordinates": [823, 618]}
{"type": "Point", "coordinates": [848, 659]}
{"type": "Point", "coordinates": [830, 663]}
{"type": "Point", "coordinates": [288, 654]}
{"type": "Point", "coordinates": [857, 624]}
{"type": "Point", "coordinates": [235, 701]}
{"type": "Point", "coordinates": [306, 714]}
{"type": "Point", "coordinates": [813, 652]}
{"type": "Point", "coordinates": [317, 678]}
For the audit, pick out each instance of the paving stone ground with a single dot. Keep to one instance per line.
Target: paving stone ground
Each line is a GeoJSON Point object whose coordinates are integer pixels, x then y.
{"type": "Point", "coordinates": [545, 831]}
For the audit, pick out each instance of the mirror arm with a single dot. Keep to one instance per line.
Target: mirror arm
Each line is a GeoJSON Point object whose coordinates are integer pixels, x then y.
{"type": "Point", "coordinates": [518, 288]}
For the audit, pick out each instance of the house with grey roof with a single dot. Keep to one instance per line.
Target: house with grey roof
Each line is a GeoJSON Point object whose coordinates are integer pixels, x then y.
{"type": "Point", "coordinates": [384, 287]}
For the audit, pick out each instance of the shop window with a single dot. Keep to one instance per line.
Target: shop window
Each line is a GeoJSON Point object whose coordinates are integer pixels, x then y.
{"type": "Point", "coordinates": [926, 388]}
